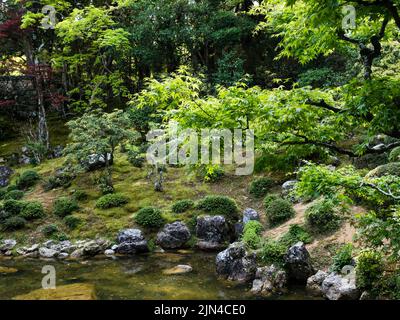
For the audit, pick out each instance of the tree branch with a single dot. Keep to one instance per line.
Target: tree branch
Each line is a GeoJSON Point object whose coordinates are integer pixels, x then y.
{"type": "Point", "coordinates": [387, 193]}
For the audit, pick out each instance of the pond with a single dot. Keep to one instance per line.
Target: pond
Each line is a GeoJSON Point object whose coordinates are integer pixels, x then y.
{"type": "Point", "coordinates": [137, 277]}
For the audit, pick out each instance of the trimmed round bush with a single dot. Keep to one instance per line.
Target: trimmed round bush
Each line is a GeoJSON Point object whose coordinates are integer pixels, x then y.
{"type": "Point", "coordinates": [64, 206]}
{"type": "Point", "coordinates": [369, 268]}
{"type": "Point", "coordinates": [295, 234]}
{"type": "Point", "coordinates": [182, 206]}
{"type": "Point", "coordinates": [394, 155]}
{"type": "Point", "coordinates": [218, 205]}
{"type": "Point", "coordinates": [32, 210]}
{"type": "Point", "coordinates": [13, 207]}
{"type": "Point", "coordinates": [269, 198]}
{"type": "Point", "coordinates": [279, 211]}
{"type": "Point", "coordinates": [14, 223]}
{"type": "Point", "coordinates": [260, 187]}
{"type": "Point", "coordinates": [49, 230]}
{"type": "Point", "coordinates": [111, 200]}
{"type": "Point", "coordinates": [72, 222]}
{"type": "Point", "coordinates": [322, 216]}
{"type": "Point", "coordinates": [14, 195]}
{"type": "Point", "coordinates": [149, 217]}
{"type": "Point", "coordinates": [27, 179]}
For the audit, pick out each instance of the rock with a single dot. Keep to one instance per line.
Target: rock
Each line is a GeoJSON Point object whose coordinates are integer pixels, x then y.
{"type": "Point", "coordinates": [298, 264]}
{"type": "Point", "coordinates": [234, 263]}
{"type": "Point", "coordinates": [57, 152]}
{"type": "Point", "coordinates": [314, 283]}
{"type": "Point", "coordinates": [114, 247]}
{"type": "Point", "coordinates": [62, 255]}
{"type": "Point", "coordinates": [48, 243]}
{"type": "Point", "coordinates": [7, 270]}
{"type": "Point", "coordinates": [337, 287]}
{"type": "Point", "coordinates": [78, 253]}
{"type": "Point", "coordinates": [76, 291]}
{"type": "Point", "coordinates": [96, 161]}
{"type": "Point", "coordinates": [366, 295]}
{"type": "Point", "coordinates": [288, 187]}
{"type": "Point", "coordinates": [94, 247]}
{"type": "Point", "coordinates": [34, 254]}
{"type": "Point", "coordinates": [250, 214]}
{"type": "Point", "coordinates": [173, 235]}
{"type": "Point", "coordinates": [109, 252]}
{"type": "Point", "coordinates": [269, 280]}
{"type": "Point", "coordinates": [209, 246]}
{"type": "Point", "coordinates": [47, 253]}
{"type": "Point", "coordinates": [238, 229]}
{"type": "Point", "coordinates": [179, 269]}
{"type": "Point", "coordinates": [8, 244]}
{"type": "Point", "coordinates": [131, 241]}
{"type": "Point", "coordinates": [5, 173]}
{"type": "Point", "coordinates": [212, 230]}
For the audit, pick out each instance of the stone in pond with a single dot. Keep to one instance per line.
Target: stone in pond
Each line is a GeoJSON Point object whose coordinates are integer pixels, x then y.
{"type": "Point", "coordinates": [179, 269]}
{"type": "Point", "coordinates": [6, 270]}
{"type": "Point", "coordinates": [76, 291]}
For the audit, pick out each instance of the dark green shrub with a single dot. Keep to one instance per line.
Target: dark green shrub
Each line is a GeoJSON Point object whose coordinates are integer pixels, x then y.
{"type": "Point", "coordinates": [80, 195]}
{"type": "Point", "coordinates": [260, 187]}
{"type": "Point", "coordinates": [369, 268]}
{"type": "Point", "coordinates": [3, 192]}
{"type": "Point", "coordinates": [279, 211]}
{"type": "Point", "coordinates": [61, 180]}
{"type": "Point", "coordinates": [136, 158]}
{"type": "Point", "coordinates": [273, 252]}
{"type": "Point", "coordinates": [4, 215]}
{"type": "Point", "coordinates": [182, 206]}
{"type": "Point", "coordinates": [342, 258]}
{"type": "Point", "coordinates": [323, 216]}
{"type": "Point", "coordinates": [149, 217]}
{"type": "Point", "coordinates": [295, 234]}
{"type": "Point", "coordinates": [14, 195]}
{"type": "Point", "coordinates": [72, 222]}
{"type": "Point", "coordinates": [111, 200]}
{"type": "Point", "coordinates": [49, 230]}
{"type": "Point", "coordinates": [251, 234]}
{"type": "Point", "coordinates": [13, 207]}
{"type": "Point", "coordinates": [14, 223]}
{"type": "Point", "coordinates": [218, 205]}
{"type": "Point", "coordinates": [64, 206]}
{"type": "Point", "coordinates": [270, 198]}
{"type": "Point", "coordinates": [32, 210]}
{"type": "Point", "coordinates": [394, 155]}
{"type": "Point", "coordinates": [60, 236]}
{"type": "Point", "coordinates": [27, 179]}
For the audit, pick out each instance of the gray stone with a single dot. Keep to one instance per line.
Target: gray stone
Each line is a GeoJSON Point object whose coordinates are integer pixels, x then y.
{"type": "Point", "coordinates": [234, 263]}
{"type": "Point", "coordinates": [288, 187]}
{"type": "Point", "coordinates": [179, 269]}
{"type": "Point", "coordinates": [298, 263]}
{"type": "Point", "coordinates": [337, 287]}
{"type": "Point", "coordinates": [8, 244]}
{"type": "Point", "coordinates": [94, 247]}
{"type": "Point", "coordinates": [47, 253]}
{"type": "Point", "coordinates": [78, 253]}
{"type": "Point", "coordinates": [250, 214]}
{"type": "Point", "coordinates": [62, 255]}
{"type": "Point", "coordinates": [314, 283]}
{"type": "Point", "coordinates": [211, 229]}
{"type": "Point", "coordinates": [173, 235]}
{"type": "Point", "coordinates": [131, 241]}
{"type": "Point", "coordinates": [5, 173]}
{"type": "Point", "coordinates": [109, 252]}
{"type": "Point", "coordinates": [269, 280]}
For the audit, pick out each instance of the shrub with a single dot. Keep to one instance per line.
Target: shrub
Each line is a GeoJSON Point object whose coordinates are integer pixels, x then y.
{"type": "Point", "coordinates": [111, 200]}
{"type": "Point", "coordinates": [14, 223]}
{"type": "Point", "coordinates": [394, 155]}
{"type": "Point", "coordinates": [27, 179]}
{"type": "Point", "coordinates": [260, 187]}
{"type": "Point", "coordinates": [369, 268]}
{"type": "Point", "coordinates": [3, 192]}
{"type": "Point", "coordinates": [251, 234]}
{"type": "Point", "coordinates": [63, 180]}
{"type": "Point", "coordinates": [295, 234]}
{"type": "Point", "coordinates": [342, 258]}
{"type": "Point", "coordinates": [64, 206]}
{"type": "Point", "coordinates": [270, 198]}
{"type": "Point", "coordinates": [149, 217]}
{"type": "Point", "coordinates": [279, 211]}
{"type": "Point", "coordinates": [72, 222]}
{"type": "Point", "coordinates": [14, 195]}
{"type": "Point", "coordinates": [273, 252]}
{"type": "Point", "coordinates": [49, 230]}
{"type": "Point", "coordinates": [136, 158]}
{"type": "Point", "coordinates": [218, 205]}
{"type": "Point", "coordinates": [4, 215]}
{"type": "Point", "coordinates": [80, 195]}
{"type": "Point", "coordinates": [32, 210]}
{"type": "Point", "coordinates": [182, 206]}
{"type": "Point", "coordinates": [211, 173]}
{"type": "Point", "coordinates": [322, 216]}
{"type": "Point", "coordinates": [60, 236]}
{"type": "Point", "coordinates": [13, 207]}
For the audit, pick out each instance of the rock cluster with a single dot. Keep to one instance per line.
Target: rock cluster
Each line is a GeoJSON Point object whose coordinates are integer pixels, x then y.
{"type": "Point", "coordinates": [269, 280]}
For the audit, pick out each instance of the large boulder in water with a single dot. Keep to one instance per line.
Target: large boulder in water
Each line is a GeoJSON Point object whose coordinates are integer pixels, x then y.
{"type": "Point", "coordinates": [234, 263]}
{"type": "Point", "coordinates": [212, 232]}
{"type": "Point", "coordinates": [131, 241]}
{"type": "Point", "coordinates": [298, 263]}
{"type": "Point", "coordinates": [338, 287]}
{"type": "Point", "coordinates": [5, 173]}
{"type": "Point", "coordinates": [173, 235]}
